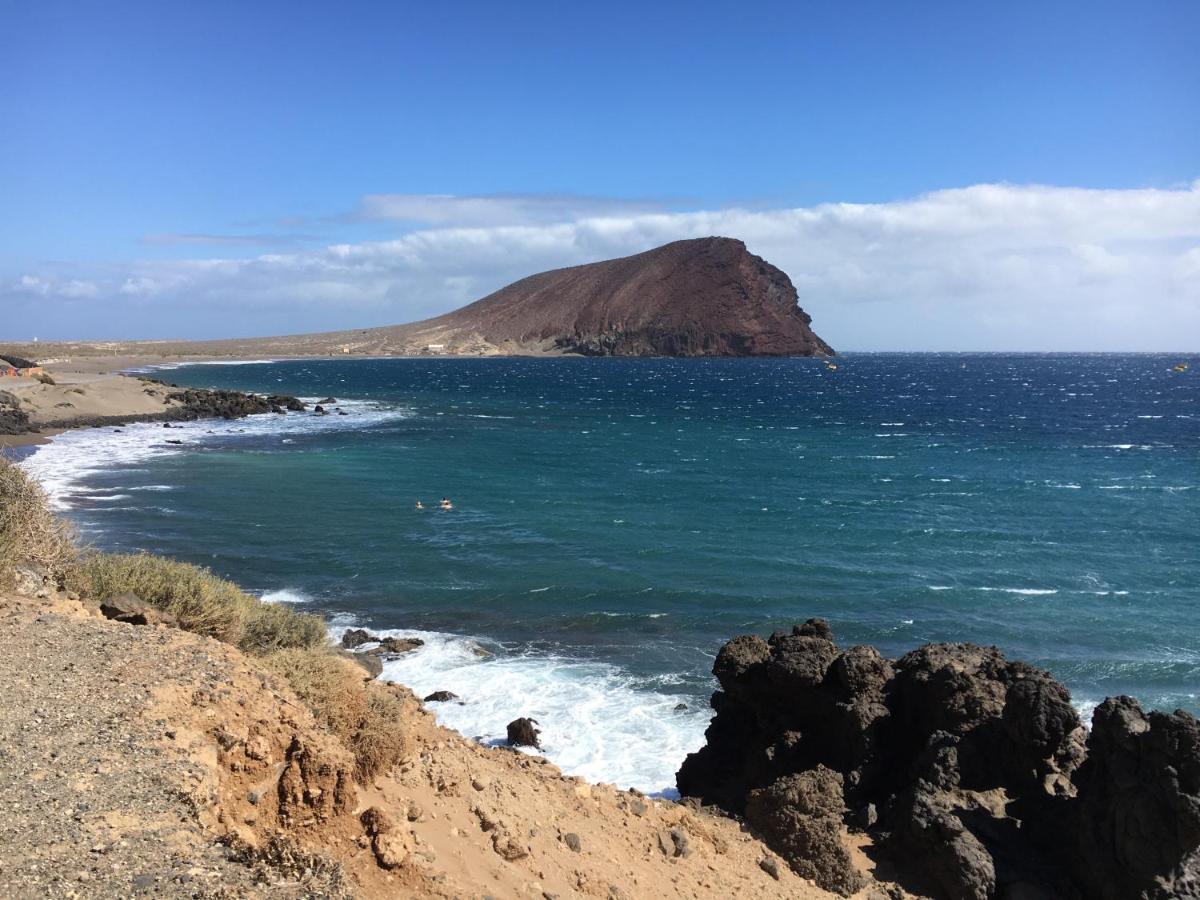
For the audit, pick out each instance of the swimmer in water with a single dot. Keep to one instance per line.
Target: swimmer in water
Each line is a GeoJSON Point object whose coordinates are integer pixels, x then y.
{"type": "Point", "coordinates": [419, 505]}
{"type": "Point", "coordinates": [446, 504]}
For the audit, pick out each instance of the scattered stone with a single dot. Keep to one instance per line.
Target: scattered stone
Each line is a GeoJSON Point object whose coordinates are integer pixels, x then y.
{"type": "Point", "coordinates": [571, 839]}
{"type": "Point", "coordinates": [441, 697]}
{"type": "Point", "coordinates": [770, 866]}
{"type": "Point", "coordinates": [680, 707]}
{"type": "Point", "coordinates": [507, 846]}
{"type": "Point", "coordinates": [390, 844]}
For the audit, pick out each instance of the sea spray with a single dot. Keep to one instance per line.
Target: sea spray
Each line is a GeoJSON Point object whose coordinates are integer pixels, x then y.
{"type": "Point", "coordinates": [597, 721]}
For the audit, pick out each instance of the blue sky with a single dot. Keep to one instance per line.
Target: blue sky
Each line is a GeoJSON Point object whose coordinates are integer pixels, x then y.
{"type": "Point", "coordinates": [150, 134]}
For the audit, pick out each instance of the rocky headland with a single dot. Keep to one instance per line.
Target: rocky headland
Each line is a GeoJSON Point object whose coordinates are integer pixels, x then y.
{"type": "Point", "coordinates": [701, 297]}
{"type": "Point", "coordinates": [31, 408]}
{"type": "Point", "coordinates": [971, 774]}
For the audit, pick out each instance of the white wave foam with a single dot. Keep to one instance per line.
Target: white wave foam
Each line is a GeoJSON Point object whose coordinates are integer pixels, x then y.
{"type": "Point", "coordinates": [596, 720]}
{"type": "Point", "coordinates": [285, 595]}
{"type": "Point", "coordinates": [167, 367]}
{"type": "Point", "coordinates": [1026, 592]}
{"type": "Point", "coordinates": [63, 465]}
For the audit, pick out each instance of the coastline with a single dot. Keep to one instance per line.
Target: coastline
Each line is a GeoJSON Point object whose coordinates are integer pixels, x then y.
{"type": "Point", "coordinates": [455, 817]}
{"type": "Point", "coordinates": [812, 644]}
{"type": "Point", "coordinates": [88, 394]}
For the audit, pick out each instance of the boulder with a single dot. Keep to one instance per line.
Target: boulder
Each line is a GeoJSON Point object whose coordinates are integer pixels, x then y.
{"type": "Point", "coordinates": [441, 697]}
{"type": "Point", "coordinates": [389, 843]}
{"type": "Point", "coordinates": [800, 818]}
{"type": "Point", "coordinates": [969, 770]}
{"type": "Point", "coordinates": [392, 647]}
{"type": "Point", "coordinates": [283, 401]}
{"type": "Point", "coordinates": [1138, 820]}
{"type": "Point", "coordinates": [356, 637]}
{"type": "Point", "coordinates": [523, 733]}
{"type": "Point", "coordinates": [133, 610]}
{"type": "Point", "coordinates": [940, 854]}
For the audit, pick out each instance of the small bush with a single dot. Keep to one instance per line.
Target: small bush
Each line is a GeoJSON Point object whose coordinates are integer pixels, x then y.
{"type": "Point", "coordinates": [29, 532]}
{"type": "Point", "coordinates": [271, 627]}
{"type": "Point", "coordinates": [367, 719]}
{"type": "Point", "coordinates": [199, 600]}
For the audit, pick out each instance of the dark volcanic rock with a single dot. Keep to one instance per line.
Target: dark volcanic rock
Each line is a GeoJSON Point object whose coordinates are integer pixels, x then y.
{"type": "Point", "coordinates": [964, 765]}
{"type": "Point", "coordinates": [800, 817]}
{"type": "Point", "coordinates": [291, 404]}
{"type": "Point", "coordinates": [945, 858]}
{"type": "Point", "coordinates": [356, 637]}
{"type": "Point", "coordinates": [396, 646]}
{"type": "Point", "coordinates": [13, 421]}
{"type": "Point", "coordinates": [523, 733]}
{"type": "Point", "coordinates": [1139, 795]}
{"type": "Point", "coordinates": [703, 297]}
{"type": "Point", "coordinates": [205, 404]}
{"type": "Point", "coordinates": [440, 697]}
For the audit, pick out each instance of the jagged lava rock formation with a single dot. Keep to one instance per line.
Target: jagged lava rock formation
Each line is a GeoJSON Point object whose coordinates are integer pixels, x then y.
{"type": "Point", "coordinates": [971, 772]}
{"type": "Point", "coordinates": [703, 297]}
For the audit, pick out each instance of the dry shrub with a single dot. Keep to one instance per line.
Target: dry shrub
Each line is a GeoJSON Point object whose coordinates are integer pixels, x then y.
{"type": "Point", "coordinates": [30, 533]}
{"type": "Point", "coordinates": [199, 600]}
{"type": "Point", "coordinates": [364, 715]}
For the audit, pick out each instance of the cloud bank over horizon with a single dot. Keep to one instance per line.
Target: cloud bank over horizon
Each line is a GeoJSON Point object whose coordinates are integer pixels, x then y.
{"type": "Point", "coordinates": [986, 267]}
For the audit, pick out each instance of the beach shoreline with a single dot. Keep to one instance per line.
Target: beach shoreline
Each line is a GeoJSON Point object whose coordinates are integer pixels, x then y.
{"type": "Point", "coordinates": [89, 394]}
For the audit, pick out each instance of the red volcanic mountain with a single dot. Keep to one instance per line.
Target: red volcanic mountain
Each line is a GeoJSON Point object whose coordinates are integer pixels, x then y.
{"type": "Point", "coordinates": [703, 297]}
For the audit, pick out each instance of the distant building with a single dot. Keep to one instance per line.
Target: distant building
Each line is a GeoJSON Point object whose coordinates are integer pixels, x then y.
{"type": "Point", "coordinates": [16, 367]}
{"type": "Point", "coordinates": [434, 348]}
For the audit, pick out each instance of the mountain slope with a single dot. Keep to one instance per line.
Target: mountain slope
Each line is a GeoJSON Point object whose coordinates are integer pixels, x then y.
{"type": "Point", "coordinates": [702, 297]}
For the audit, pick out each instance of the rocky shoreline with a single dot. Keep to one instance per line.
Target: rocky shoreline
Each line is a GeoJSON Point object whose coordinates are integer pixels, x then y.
{"type": "Point", "coordinates": [972, 774]}
{"type": "Point", "coordinates": [152, 400]}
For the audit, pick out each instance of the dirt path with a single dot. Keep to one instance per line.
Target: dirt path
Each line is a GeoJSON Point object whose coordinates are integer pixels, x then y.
{"type": "Point", "coordinates": [91, 805]}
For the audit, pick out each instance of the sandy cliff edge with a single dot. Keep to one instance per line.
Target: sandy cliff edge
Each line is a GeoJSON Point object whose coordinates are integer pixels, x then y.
{"type": "Point", "coordinates": [153, 762]}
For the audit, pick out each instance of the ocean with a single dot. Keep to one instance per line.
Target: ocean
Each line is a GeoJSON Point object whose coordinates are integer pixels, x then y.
{"type": "Point", "coordinates": [616, 520]}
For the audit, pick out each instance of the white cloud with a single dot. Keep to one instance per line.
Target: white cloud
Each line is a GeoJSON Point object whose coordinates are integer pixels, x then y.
{"type": "Point", "coordinates": [983, 267]}
{"type": "Point", "coordinates": [494, 209]}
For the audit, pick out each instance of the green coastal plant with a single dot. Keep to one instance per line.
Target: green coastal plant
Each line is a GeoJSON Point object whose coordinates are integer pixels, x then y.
{"type": "Point", "coordinates": [199, 601]}
{"type": "Point", "coordinates": [367, 717]}
{"type": "Point", "coordinates": [30, 534]}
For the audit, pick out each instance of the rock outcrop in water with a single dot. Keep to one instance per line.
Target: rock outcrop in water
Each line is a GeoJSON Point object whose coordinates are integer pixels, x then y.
{"type": "Point", "coordinates": [972, 772]}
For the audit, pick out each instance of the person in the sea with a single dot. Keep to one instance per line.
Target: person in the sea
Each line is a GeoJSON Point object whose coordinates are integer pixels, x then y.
{"type": "Point", "coordinates": [446, 504]}
{"type": "Point", "coordinates": [419, 505]}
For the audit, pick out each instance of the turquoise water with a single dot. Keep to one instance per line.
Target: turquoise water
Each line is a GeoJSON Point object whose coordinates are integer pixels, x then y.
{"type": "Point", "coordinates": [617, 520]}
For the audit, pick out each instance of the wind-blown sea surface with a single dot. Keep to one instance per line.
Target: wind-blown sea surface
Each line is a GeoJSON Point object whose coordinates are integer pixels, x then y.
{"type": "Point", "coordinates": [616, 520]}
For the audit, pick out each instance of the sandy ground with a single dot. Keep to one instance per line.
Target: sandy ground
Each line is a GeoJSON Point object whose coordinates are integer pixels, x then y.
{"type": "Point", "coordinates": [81, 398]}
{"type": "Point", "coordinates": [146, 761]}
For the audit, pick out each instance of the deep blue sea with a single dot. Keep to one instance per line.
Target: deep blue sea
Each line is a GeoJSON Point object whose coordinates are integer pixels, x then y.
{"type": "Point", "coordinates": [616, 520]}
